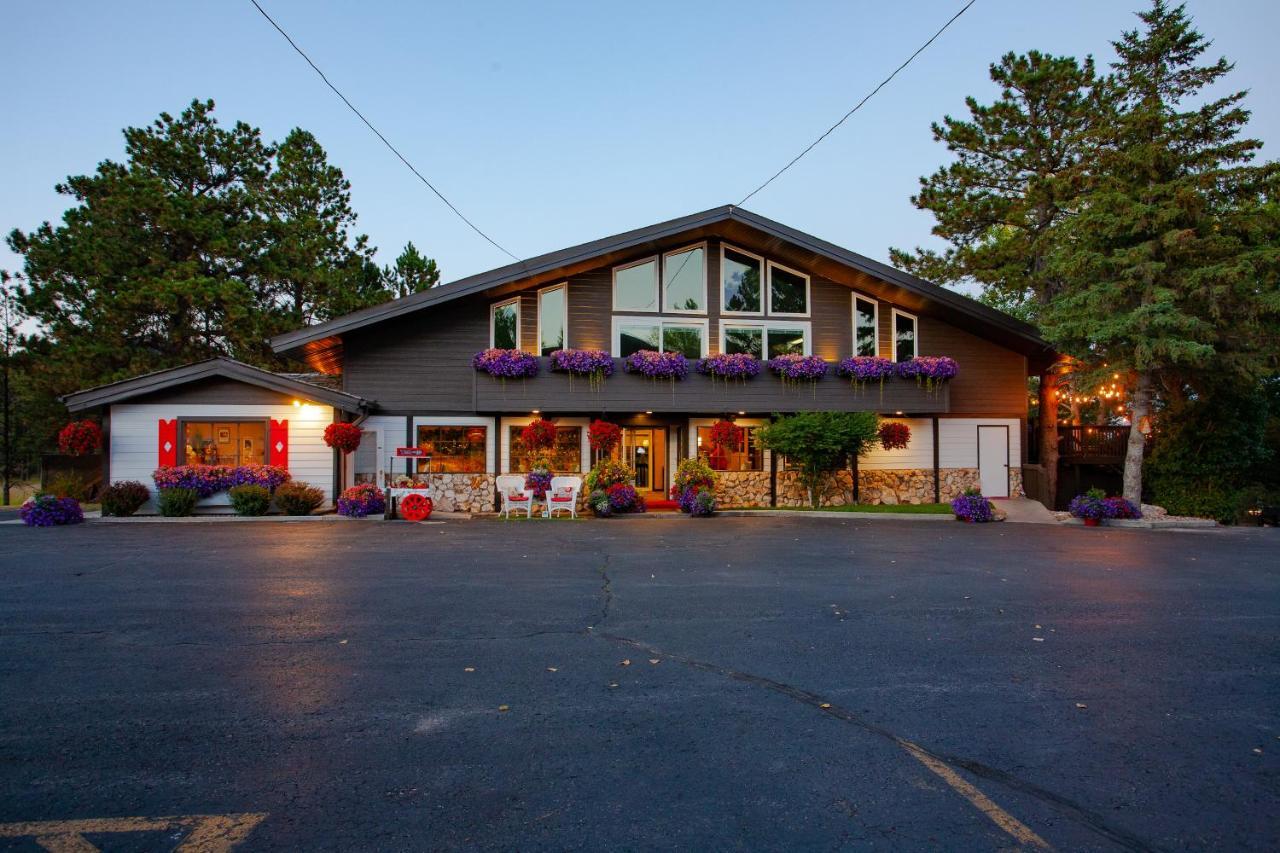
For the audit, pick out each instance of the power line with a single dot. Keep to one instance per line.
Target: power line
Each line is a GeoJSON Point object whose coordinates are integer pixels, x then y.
{"type": "Point", "coordinates": [883, 83]}
{"type": "Point", "coordinates": [378, 133]}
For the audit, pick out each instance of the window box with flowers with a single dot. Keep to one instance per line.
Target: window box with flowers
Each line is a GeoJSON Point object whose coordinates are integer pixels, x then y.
{"type": "Point", "coordinates": [593, 364]}
{"type": "Point", "coordinates": [798, 369]}
{"type": "Point", "coordinates": [738, 366]}
{"type": "Point", "coordinates": [504, 364]}
{"type": "Point", "coordinates": [929, 371]}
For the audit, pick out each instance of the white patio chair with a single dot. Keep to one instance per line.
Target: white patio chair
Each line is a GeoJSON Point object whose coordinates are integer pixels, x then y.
{"type": "Point", "coordinates": [514, 494]}
{"type": "Point", "coordinates": [563, 495]}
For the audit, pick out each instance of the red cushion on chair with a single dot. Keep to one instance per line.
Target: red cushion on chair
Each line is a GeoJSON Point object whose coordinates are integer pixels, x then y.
{"type": "Point", "coordinates": [558, 499]}
{"type": "Point", "coordinates": [518, 496]}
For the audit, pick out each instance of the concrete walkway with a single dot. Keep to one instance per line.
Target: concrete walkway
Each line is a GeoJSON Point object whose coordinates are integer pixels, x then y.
{"type": "Point", "coordinates": [1024, 511]}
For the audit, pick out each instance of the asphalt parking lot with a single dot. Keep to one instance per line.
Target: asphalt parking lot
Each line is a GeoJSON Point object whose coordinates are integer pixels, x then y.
{"type": "Point", "coordinates": [639, 684]}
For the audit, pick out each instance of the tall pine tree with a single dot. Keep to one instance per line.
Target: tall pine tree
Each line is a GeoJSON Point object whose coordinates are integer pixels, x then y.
{"type": "Point", "coordinates": [1172, 262]}
{"type": "Point", "coordinates": [412, 272]}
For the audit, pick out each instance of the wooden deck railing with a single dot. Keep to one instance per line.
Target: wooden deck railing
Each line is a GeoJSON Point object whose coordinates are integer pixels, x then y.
{"type": "Point", "coordinates": [1092, 444]}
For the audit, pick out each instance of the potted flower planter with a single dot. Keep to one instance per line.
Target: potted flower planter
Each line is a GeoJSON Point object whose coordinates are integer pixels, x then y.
{"type": "Point", "coordinates": [1092, 522]}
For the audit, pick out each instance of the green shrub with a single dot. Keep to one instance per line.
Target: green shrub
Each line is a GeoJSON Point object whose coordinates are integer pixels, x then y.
{"type": "Point", "coordinates": [68, 484]}
{"type": "Point", "coordinates": [295, 498]}
{"type": "Point", "coordinates": [177, 503]}
{"type": "Point", "coordinates": [249, 500]}
{"type": "Point", "coordinates": [122, 499]}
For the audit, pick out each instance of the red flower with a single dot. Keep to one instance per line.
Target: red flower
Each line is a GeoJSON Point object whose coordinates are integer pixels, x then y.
{"type": "Point", "coordinates": [343, 436]}
{"type": "Point", "coordinates": [726, 435]}
{"type": "Point", "coordinates": [539, 435]}
{"type": "Point", "coordinates": [894, 435]}
{"type": "Point", "coordinates": [604, 436]}
{"type": "Point", "coordinates": [80, 438]}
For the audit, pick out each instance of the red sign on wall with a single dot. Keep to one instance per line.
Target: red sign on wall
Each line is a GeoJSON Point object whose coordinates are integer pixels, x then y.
{"type": "Point", "coordinates": [411, 452]}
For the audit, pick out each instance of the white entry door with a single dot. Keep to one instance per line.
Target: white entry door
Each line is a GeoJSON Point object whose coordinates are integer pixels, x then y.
{"type": "Point", "coordinates": [993, 460]}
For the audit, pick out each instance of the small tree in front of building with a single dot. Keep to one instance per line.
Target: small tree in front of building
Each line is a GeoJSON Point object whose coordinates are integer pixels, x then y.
{"type": "Point", "coordinates": [819, 443]}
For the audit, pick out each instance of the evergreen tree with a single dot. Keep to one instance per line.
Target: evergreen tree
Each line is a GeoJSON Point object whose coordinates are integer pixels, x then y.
{"type": "Point", "coordinates": [1020, 171]}
{"type": "Point", "coordinates": [412, 272]}
{"type": "Point", "coordinates": [1172, 262]}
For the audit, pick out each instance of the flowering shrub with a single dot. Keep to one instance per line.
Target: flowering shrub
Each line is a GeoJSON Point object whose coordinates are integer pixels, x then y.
{"type": "Point", "coordinates": [972, 506]}
{"type": "Point", "coordinates": [204, 480]}
{"type": "Point", "coordinates": [657, 365]}
{"type": "Point", "coordinates": [80, 438]}
{"type": "Point", "coordinates": [604, 436]}
{"type": "Point", "coordinates": [49, 511]}
{"type": "Point", "coordinates": [267, 476]}
{"type": "Point", "coordinates": [702, 504]}
{"type": "Point", "coordinates": [506, 363]}
{"type": "Point", "coordinates": [1118, 507]}
{"type": "Point", "coordinates": [726, 434]}
{"type": "Point", "coordinates": [894, 435]}
{"type": "Point", "coordinates": [863, 369]}
{"type": "Point", "coordinates": [342, 436]}
{"type": "Point", "coordinates": [538, 435]}
{"type": "Point", "coordinates": [692, 476]}
{"type": "Point", "coordinates": [798, 368]}
{"type": "Point", "coordinates": [622, 497]}
{"type": "Point", "coordinates": [600, 504]}
{"type": "Point", "coordinates": [362, 500]}
{"type": "Point", "coordinates": [606, 473]}
{"type": "Point", "coordinates": [538, 481]}
{"type": "Point", "coordinates": [124, 498]}
{"type": "Point", "coordinates": [736, 365]}
{"type": "Point", "coordinates": [928, 370]}
{"type": "Point", "coordinates": [1090, 507]}
{"type": "Point", "coordinates": [595, 364]}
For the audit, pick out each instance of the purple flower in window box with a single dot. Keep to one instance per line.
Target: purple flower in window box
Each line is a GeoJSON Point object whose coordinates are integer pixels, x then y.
{"type": "Point", "coordinates": [596, 365]}
{"type": "Point", "coordinates": [929, 370]}
{"type": "Point", "coordinates": [725, 365]}
{"type": "Point", "coordinates": [657, 365]}
{"type": "Point", "coordinates": [864, 369]}
{"type": "Point", "coordinates": [795, 369]}
{"type": "Point", "coordinates": [506, 363]}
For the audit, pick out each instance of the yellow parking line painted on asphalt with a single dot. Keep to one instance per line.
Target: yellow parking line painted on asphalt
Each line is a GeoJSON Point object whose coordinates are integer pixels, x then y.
{"type": "Point", "coordinates": [216, 833]}
{"type": "Point", "coordinates": [980, 801]}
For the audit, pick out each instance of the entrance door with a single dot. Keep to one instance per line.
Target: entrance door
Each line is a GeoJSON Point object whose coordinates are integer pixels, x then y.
{"type": "Point", "coordinates": [645, 450]}
{"type": "Point", "coordinates": [993, 460]}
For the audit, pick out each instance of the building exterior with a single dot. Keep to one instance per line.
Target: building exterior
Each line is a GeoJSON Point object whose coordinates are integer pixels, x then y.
{"type": "Point", "coordinates": [724, 280]}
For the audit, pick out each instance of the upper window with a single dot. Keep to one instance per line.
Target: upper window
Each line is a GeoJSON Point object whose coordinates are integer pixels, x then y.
{"type": "Point", "coordinates": [631, 334]}
{"type": "Point", "coordinates": [743, 339]}
{"type": "Point", "coordinates": [635, 286]}
{"type": "Point", "coordinates": [452, 449]}
{"type": "Point", "coordinates": [740, 275]}
{"type": "Point", "coordinates": [906, 342]}
{"type": "Point", "coordinates": [765, 340]}
{"type": "Point", "coordinates": [684, 280]}
{"type": "Point", "coordinates": [553, 319]}
{"type": "Point", "coordinates": [788, 291]}
{"type": "Point", "coordinates": [504, 325]}
{"type": "Point", "coordinates": [780, 340]}
{"type": "Point", "coordinates": [864, 326]}
{"type": "Point", "coordinates": [224, 442]}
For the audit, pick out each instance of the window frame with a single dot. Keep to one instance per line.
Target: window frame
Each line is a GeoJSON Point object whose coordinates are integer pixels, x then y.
{"type": "Point", "coordinates": [763, 273]}
{"type": "Point", "coordinates": [562, 286]}
{"type": "Point", "coordinates": [764, 326]}
{"type": "Point", "coordinates": [415, 421]}
{"type": "Point", "coordinates": [214, 420]}
{"type": "Point", "coordinates": [750, 423]}
{"type": "Point", "coordinates": [656, 260]}
{"type": "Point", "coordinates": [915, 339]}
{"type": "Point", "coordinates": [808, 288]}
{"type": "Point", "coordinates": [504, 441]}
{"type": "Point", "coordinates": [493, 313]}
{"type": "Point", "coordinates": [654, 320]}
{"type": "Point", "coordinates": [706, 290]}
{"type": "Point", "coordinates": [875, 322]}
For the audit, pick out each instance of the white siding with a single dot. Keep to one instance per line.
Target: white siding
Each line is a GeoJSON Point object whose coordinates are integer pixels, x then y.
{"type": "Point", "coordinates": [391, 434]}
{"type": "Point", "coordinates": [917, 454]}
{"type": "Point", "coordinates": [958, 441]}
{"type": "Point", "coordinates": [135, 440]}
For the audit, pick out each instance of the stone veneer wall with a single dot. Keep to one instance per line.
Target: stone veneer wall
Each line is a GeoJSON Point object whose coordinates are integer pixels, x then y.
{"type": "Point", "coordinates": [894, 486]}
{"type": "Point", "coordinates": [461, 492]}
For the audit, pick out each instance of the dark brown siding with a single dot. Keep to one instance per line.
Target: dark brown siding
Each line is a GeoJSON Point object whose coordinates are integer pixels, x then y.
{"type": "Point", "coordinates": [217, 391]}
{"type": "Point", "coordinates": [992, 379]}
{"type": "Point", "coordinates": [590, 304]}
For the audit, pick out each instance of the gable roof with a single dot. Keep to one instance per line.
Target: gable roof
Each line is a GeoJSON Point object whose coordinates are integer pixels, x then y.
{"type": "Point", "coordinates": [228, 368]}
{"type": "Point", "coordinates": [326, 334]}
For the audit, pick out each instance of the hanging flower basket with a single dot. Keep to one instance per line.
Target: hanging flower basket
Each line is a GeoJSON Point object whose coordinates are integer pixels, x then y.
{"type": "Point", "coordinates": [929, 371]}
{"type": "Point", "coordinates": [596, 365]}
{"type": "Point", "coordinates": [604, 436]}
{"type": "Point", "coordinates": [657, 365]}
{"type": "Point", "coordinates": [894, 435]}
{"type": "Point", "coordinates": [795, 369]}
{"type": "Point", "coordinates": [862, 370]}
{"type": "Point", "coordinates": [506, 363]}
{"type": "Point", "coordinates": [538, 435]}
{"type": "Point", "coordinates": [727, 435]}
{"type": "Point", "coordinates": [729, 366]}
{"type": "Point", "coordinates": [80, 438]}
{"type": "Point", "coordinates": [342, 436]}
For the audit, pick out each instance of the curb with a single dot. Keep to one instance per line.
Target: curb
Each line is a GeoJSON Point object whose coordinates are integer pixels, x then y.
{"type": "Point", "coordinates": [1152, 524]}
{"type": "Point", "coordinates": [878, 516]}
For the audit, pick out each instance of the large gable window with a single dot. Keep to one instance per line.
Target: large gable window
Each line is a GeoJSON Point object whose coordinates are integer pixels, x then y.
{"type": "Point", "coordinates": [504, 325]}
{"type": "Point", "coordinates": [632, 334]}
{"type": "Point", "coordinates": [765, 340]}
{"type": "Point", "coordinates": [740, 276]}
{"type": "Point", "coordinates": [635, 286]}
{"type": "Point", "coordinates": [864, 326]}
{"type": "Point", "coordinates": [788, 291]}
{"type": "Point", "coordinates": [553, 319]}
{"type": "Point", "coordinates": [906, 341]}
{"type": "Point", "coordinates": [684, 280]}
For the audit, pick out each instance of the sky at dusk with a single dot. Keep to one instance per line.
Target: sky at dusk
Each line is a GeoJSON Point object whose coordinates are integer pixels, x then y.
{"type": "Point", "coordinates": [550, 124]}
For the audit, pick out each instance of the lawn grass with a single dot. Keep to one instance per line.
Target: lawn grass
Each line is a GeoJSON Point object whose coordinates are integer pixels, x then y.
{"type": "Point", "coordinates": [908, 509]}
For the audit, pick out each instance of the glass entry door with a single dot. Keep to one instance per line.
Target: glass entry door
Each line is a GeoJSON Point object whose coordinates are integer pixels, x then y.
{"type": "Point", "coordinates": [645, 450]}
